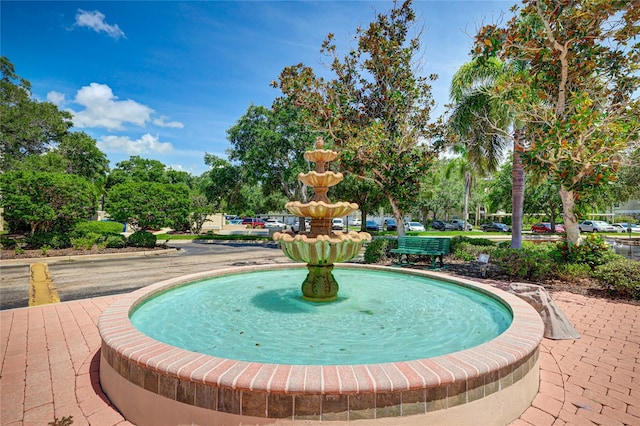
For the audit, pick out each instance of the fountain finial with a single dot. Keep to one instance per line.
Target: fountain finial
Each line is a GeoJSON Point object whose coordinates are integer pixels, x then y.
{"type": "Point", "coordinates": [319, 142]}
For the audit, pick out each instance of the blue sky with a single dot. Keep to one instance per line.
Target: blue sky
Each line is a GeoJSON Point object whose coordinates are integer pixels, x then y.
{"type": "Point", "coordinates": [165, 80]}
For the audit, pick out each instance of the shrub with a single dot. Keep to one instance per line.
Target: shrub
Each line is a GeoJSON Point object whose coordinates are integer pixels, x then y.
{"type": "Point", "coordinates": [142, 239]}
{"type": "Point", "coordinates": [86, 242]}
{"type": "Point", "coordinates": [530, 262]}
{"type": "Point", "coordinates": [592, 250]}
{"type": "Point", "coordinates": [620, 276]}
{"type": "Point", "coordinates": [115, 241]}
{"type": "Point", "coordinates": [376, 250]}
{"type": "Point", "coordinates": [459, 239]}
{"type": "Point", "coordinates": [573, 271]}
{"type": "Point", "coordinates": [97, 227]}
{"type": "Point", "coordinates": [53, 239]}
{"type": "Point", "coordinates": [7, 243]}
{"type": "Point", "coordinates": [468, 252]}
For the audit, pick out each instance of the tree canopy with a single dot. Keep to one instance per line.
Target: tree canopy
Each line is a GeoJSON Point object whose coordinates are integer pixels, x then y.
{"type": "Point", "coordinates": [269, 146]}
{"type": "Point", "coordinates": [148, 205]}
{"type": "Point", "coordinates": [27, 127]}
{"type": "Point", "coordinates": [46, 201]}
{"type": "Point", "coordinates": [376, 110]}
{"type": "Point", "coordinates": [579, 100]}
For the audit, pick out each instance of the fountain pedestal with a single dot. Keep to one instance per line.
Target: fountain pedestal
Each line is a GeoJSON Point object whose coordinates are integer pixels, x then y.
{"type": "Point", "coordinates": [320, 285]}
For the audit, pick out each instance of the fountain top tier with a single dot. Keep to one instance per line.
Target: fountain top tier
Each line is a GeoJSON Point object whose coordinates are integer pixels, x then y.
{"type": "Point", "coordinates": [320, 209]}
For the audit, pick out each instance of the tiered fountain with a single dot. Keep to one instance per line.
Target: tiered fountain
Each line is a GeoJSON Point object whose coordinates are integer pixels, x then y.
{"type": "Point", "coordinates": [239, 345]}
{"type": "Point", "coordinates": [322, 247]}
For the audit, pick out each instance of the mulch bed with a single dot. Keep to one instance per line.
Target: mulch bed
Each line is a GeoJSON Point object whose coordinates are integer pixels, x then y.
{"type": "Point", "coordinates": [37, 253]}
{"type": "Point", "coordinates": [585, 287]}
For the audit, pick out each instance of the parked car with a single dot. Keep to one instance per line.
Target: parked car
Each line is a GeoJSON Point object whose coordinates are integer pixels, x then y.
{"type": "Point", "coordinates": [495, 227]}
{"type": "Point", "coordinates": [441, 225]}
{"type": "Point", "coordinates": [391, 224]}
{"type": "Point", "coordinates": [253, 222]}
{"type": "Point", "coordinates": [274, 223]}
{"type": "Point", "coordinates": [307, 224]}
{"type": "Point", "coordinates": [624, 226]}
{"type": "Point", "coordinates": [414, 226]}
{"type": "Point", "coordinates": [235, 222]}
{"type": "Point", "coordinates": [371, 225]}
{"type": "Point", "coordinates": [459, 225]}
{"type": "Point", "coordinates": [545, 228]}
{"type": "Point", "coordinates": [355, 222]}
{"type": "Point", "coordinates": [595, 226]}
{"type": "Point", "coordinates": [338, 224]}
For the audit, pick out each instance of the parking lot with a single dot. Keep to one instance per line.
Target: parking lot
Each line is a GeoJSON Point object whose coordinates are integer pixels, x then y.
{"type": "Point", "coordinates": [78, 278]}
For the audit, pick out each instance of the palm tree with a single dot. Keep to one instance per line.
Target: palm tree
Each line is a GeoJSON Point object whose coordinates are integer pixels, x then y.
{"type": "Point", "coordinates": [467, 169]}
{"type": "Point", "coordinates": [483, 122]}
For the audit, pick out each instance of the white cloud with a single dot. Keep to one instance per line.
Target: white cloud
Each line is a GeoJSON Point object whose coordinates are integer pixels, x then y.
{"type": "Point", "coordinates": [95, 21]}
{"type": "Point", "coordinates": [103, 109]}
{"type": "Point", "coordinates": [56, 98]}
{"type": "Point", "coordinates": [145, 145]}
{"type": "Point", "coordinates": [162, 123]}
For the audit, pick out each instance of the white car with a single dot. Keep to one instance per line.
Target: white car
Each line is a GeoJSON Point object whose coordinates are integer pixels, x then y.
{"type": "Point", "coordinates": [595, 226]}
{"type": "Point", "coordinates": [274, 223]}
{"type": "Point", "coordinates": [338, 224]}
{"type": "Point", "coordinates": [355, 222]}
{"type": "Point", "coordinates": [624, 226]}
{"type": "Point", "coordinates": [414, 226]}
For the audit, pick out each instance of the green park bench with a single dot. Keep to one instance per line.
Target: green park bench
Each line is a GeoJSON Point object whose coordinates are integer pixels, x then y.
{"type": "Point", "coordinates": [422, 246]}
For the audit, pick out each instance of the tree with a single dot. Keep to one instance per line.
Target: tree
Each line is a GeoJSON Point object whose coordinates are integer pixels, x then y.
{"type": "Point", "coordinates": [541, 196]}
{"type": "Point", "coordinates": [137, 169]}
{"type": "Point", "coordinates": [483, 123]}
{"type": "Point", "coordinates": [27, 127]}
{"type": "Point", "coordinates": [466, 169]}
{"type": "Point", "coordinates": [200, 209]}
{"type": "Point", "coordinates": [580, 99]}
{"type": "Point", "coordinates": [439, 193]}
{"type": "Point", "coordinates": [376, 110]}
{"type": "Point", "coordinates": [83, 157]}
{"type": "Point", "coordinates": [148, 205]}
{"type": "Point", "coordinates": [269, 145]}
{"type": "Point", "coordinates": [362, 192]}
{"type": "Point", "coordinates": [222, 185]}
{"type": "Point", "coordinates": [46, 201]}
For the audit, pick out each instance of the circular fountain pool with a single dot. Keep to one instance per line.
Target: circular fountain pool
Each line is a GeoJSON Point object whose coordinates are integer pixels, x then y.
{"type": "Point", "coordinates": [394, 344]}
{"type": "Point", "coordinates": [262, 317]}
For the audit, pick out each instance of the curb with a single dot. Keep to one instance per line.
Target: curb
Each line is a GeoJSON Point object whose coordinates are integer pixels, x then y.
{"type": "Point", "coordinates": [56, 259]}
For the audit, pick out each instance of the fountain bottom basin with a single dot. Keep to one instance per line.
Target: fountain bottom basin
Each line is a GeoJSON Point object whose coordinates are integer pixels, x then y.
{"type": "Point", "coordinates": [155, 383]}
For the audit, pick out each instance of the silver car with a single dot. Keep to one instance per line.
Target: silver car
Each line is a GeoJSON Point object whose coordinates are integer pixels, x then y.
{"type": "Point", "coordinates": [624, 226]}
{"type": "Point", "coordinates": [595, 226]}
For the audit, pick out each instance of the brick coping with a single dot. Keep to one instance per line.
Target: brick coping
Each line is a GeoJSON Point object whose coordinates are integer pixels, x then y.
{"type": "Point", "coordinates": [319, 391]}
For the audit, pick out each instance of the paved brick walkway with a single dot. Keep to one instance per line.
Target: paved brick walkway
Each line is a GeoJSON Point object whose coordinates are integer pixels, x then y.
{"type": "Point", "coordinates": [50, 364]}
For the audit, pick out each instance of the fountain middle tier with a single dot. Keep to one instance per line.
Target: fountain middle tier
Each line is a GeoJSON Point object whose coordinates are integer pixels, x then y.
{"type": "Point", "coordinates": [321, 209]}
{"type": "Point", "coordinates": [324, 179]}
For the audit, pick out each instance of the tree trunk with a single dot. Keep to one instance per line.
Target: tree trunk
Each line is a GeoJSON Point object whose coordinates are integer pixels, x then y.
{"type": "Point", "coordinates": [517, 195]}
{"type": "Point", "coordinates": [467, 190]}
{"type": "Point", "coordinates": [363, 218]}
{"type": "Point", "coordinates": [398, 214]}
{"type": "Point", "coordinates": [569, 217]}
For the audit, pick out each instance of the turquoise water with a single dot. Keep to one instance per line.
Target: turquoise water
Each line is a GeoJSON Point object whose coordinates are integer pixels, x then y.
{"type": "Point", "coordinates": [379, 317]}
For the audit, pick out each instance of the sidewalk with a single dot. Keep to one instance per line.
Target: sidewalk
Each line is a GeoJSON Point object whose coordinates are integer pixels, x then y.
{"type": "Point", "coordinates": [50, 364]}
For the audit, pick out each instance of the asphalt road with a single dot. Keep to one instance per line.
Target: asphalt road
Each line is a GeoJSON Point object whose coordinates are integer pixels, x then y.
{"type": "Point", "coordinates": [79, 279]}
